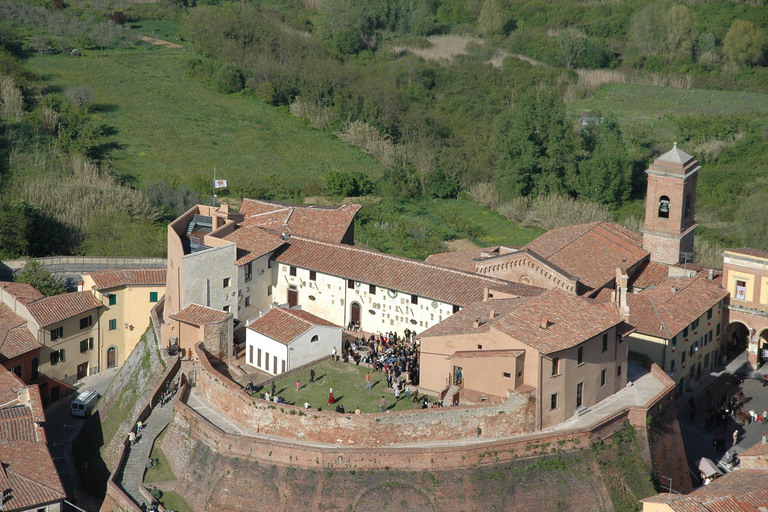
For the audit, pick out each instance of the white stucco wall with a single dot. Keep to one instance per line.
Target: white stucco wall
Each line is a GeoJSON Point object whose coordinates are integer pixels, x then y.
{"type": "Point", "coordinates": [305, 351]}
{"type": "Point", "coordinates": [256, 288]}
{"type": "Point", "coordinates": [380, 311]}
{"type": "Point", "coordinates": [255, 341]}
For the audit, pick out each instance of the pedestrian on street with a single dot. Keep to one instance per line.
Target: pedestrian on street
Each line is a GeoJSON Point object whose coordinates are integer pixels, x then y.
{"type": "Point", "coordinates": [397, 393]}
{"type": "Point", "coordinates": [312, 375]}
{"type": "Point", "coordinates": [383, 403]}
{"type": "Point", "coordinates": [735, 437]}
{"type": "Point", "coordinates": [765, 437]}
{"type": "Point", "coordinates": [368, 380]}
{"type": "Point", "coordinates": [132, 438]}
{"type": "Point", "coordinates": [139, 426]}
{"type": "Point", "coordinates": [273, 387]}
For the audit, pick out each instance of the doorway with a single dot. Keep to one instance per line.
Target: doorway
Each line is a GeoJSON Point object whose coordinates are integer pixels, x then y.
{"type": "Point", "coordinates": [293, 298]}
{"type": "Point", "coordinates": [355, 314]}
{"type": "Point", "coordinates": [458, 375]}
{"type": "Point", "coordinates": [111, 357]}
{"type": "Point", "coordinates": [579, 393]}
{"type": "Point", "coordinates": [82, 371]}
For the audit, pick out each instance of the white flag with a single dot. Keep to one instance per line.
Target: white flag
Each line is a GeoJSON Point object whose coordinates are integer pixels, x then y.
{"type": "Point", "coordinates": [219, 183]}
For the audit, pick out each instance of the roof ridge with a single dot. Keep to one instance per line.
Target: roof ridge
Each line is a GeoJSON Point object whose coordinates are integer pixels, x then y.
{"type": "Point", "coordinates": [281, 208]}
{"type": "Point", "coordinates": [297, 317]}
{"type": "Point", "coordinates": [28, 479]}
{"type": "Point", "coordinates": [658, 314]}
{"type": "Point", "coordinates": [402, 259]}
{"type": "Point", "coordinates": [594, 225]}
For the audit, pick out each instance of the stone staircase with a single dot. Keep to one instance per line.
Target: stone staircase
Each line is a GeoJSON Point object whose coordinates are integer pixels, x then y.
{"type": "Point", "coordinates": [450, 394]}
{"type": "Point", "coordinates": [138, 454]}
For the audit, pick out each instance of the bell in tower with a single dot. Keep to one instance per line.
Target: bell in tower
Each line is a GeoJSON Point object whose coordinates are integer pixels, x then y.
{"type": "Point", "coordinates": [670, 206]}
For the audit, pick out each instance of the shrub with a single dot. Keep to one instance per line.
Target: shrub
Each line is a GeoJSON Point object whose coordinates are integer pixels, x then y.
{"type": "Point", "coordinates": [228, 79]}
{"type": "Point", "coordinates": [11, 99]}
{"type": "Point", "coordinates": [554, 211]}
{"type": "Point", "coordinates": [484, 193]}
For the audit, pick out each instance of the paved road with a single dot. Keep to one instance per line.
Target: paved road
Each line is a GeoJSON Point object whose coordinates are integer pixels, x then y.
{"type": "Point", "coordinates": [61, 429]}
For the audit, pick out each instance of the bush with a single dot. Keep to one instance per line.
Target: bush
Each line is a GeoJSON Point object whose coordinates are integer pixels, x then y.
{"type": "Point", "coordinates": [554, 211]}
{"type": "Point", "coordinates": [228, 79]}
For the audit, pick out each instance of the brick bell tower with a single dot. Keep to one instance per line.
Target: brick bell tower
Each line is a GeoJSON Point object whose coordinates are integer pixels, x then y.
{"type": "Point", "coordinates": [670, 205]}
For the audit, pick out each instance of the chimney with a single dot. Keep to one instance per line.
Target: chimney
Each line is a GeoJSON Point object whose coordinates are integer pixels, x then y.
{"type": "Point", "coordinates": [476, 324]}
{"type": "Point", "coordinates": [711, 274]}
{"type": "Point", "coordinates": [544, 323]}
{"type": "Point", "coordinates": [493, 314]}
{"type": "Point", "coordinates": [79, 286]}
{"type": "Point", "coordinates": [622, 283]}
{"type": "Point", "coordinates": [674, 289]}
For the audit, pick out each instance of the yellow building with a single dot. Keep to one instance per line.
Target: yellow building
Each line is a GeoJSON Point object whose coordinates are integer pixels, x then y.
{"type": "Point", "coordinates": [127, 297]}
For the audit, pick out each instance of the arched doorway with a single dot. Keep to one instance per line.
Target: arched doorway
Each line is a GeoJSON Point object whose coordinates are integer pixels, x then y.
{"type": "Point", "coordinates": [34, 373]}
{"type": "Point", "coordinates": [762, 349]}
{"type": "Point", "coordinates": [354, 314]}
{"type": "Point", "coordinates": [111, 357]}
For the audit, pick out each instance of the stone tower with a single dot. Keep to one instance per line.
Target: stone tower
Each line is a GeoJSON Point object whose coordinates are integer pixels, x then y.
{"type": "Point", "coordinates": [670, 205]}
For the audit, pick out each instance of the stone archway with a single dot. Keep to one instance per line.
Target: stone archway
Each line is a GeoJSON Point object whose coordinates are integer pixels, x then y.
{"type": "Point", "coordinates": [762, 345]}
{"type": "Point", "coordinates": [736, 339]}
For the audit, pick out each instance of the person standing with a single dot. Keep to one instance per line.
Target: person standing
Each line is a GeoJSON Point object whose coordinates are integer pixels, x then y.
{"type": "Point", "coordinates": [331, 400]}
{"type": "Point", "coordinates": [334, 356]}
{"type": "Point", "coordinates": [298, 385]}
{"type": "Point", "coordinates": [407, 391]}
{"type": "Point", "coordinates": [273, 387]}
{"type": "Point", "coordinates": [383, 403]}
{"type": "Point", "coordinates": [368, 380]}
{"type": "Point", "coordinates": [735, 437]}
{"type": "Point", "coordinates": [132, 437]}
{"type": "Point", "coordinates": [397, 392]}
{"type": "Point", "coordinates": [312, 375]}
{"type": "Point", "coordinates": [139, 426]}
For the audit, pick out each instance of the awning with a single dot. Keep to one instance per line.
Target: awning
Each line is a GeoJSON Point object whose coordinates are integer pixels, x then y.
{"type": "Point", "coordinates": [708, 468]}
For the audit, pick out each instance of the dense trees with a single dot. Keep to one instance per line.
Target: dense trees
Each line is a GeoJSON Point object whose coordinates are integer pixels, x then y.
{"type": "Point", "coordinates": [744, 43]}
{"type": "Point", "coordinates": [35, 274]}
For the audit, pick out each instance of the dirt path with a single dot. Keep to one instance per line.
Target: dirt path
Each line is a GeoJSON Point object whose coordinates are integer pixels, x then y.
{"type": "Point", "coordinates": [160, 42]}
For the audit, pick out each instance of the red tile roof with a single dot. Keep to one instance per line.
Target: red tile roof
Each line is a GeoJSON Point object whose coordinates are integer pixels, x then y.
{"type": "Point", "coordinates": [740, 491]}
{"type": "Point", "coordinates": [55, 309]}
{"type": "Point", "coordinates": [459, 260]}
{"type": "Point", "coordinates": [662, 312]}
{"type": "Point", "coordinates": [9, 385]}
{"type": "Point", "coordinates": [592, 252]}
{"type": "Point", "coordinates": [23, 292]}
{"type": "Point", "coordinates": [463, 322]}
{"type": "Point", "coordinates": [18, 424]}
{"type": "Point", "coordinates": [106, 279]}
{"type": "Point", "coordinates": [571, 320]}
{"type": "Point", "coordinates": [398, 274]}
{"type": "Point", "coordinates": [196, 314]}
{"type": "Point", "coordinates": [648, 274]}
{"type": "Point", "coordinates": [26, 468]}
{"type": "Point", "coordinates": [757, 253]}
{"type": "Point", "coordinates": [285, 325]}
{"type": "Point", "coordinates": [15, 338]}
{"type": "Point", "coordinates": [475, 354]}
{"type": "Point", "coordinates": [252, 243]}
{"type": "Point", "coordinates": [322, 223]}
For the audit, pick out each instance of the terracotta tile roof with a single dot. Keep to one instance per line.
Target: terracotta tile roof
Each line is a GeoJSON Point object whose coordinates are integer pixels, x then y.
{"type": "Point", "coordinates": [17, 424]}
{"type": "Point", "coordinates": [399, 274]}
{"type": "Point", "coordinates": [27, 469]}
{"type": "Point", "coordinates": [23, 292]}
{"type": "Point", "coordinates": [9, 384]}
{"type": "Point", "coordinates": [592, 252]}
{"type": "Point", "coordinates": [571, 321]}
{"type": "Point", "coordinates": [475, 354]}
{"type": "Point", "coordinates": [658, 311]}
{"type": "Point", "coordinates": [51, 310]}
{"type": "Point", "coordinates": [15, 338]}
{"type": "Point", "coordinates": [604, 295]}
{"type": "Point", "coordinates": [252, 243]}
{"type": "Point", "coordinates": [460, 260]}
{"type": "Point", "coordinates": [322, 223]}
{"type": "Point", "coordinates": [106, 279]}
{"type": "Point", "coordinates": [756, 253]}
{"type": "Point", "coordinates": [648, 274]}
{"type": "Point", "coordinates": [285, 325]}
{"type": "Point", "coordinates": [756, 450]}
{"type": "Point", "coordinates": [196, 314]}
{"type": "Point", "coordinates": [739, 491]}
{"type": "Point", "coordinates": [463, 322]}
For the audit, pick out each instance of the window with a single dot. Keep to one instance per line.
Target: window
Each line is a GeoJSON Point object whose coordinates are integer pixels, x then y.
{"type": "Point", "coordinates": [248, 301]}
{"type": "Point", "coordinates": [553, 402]}
{"type": "Point", "coordinates": [17, 370]}
{"type": "Point", "coordinates": [248, 271]}
{"type": "Point", "coordinates": [741, 290]}
{"type": "Point", "coordinates": [602, 378]}
{"type": "Point", "coordinates": [57, 333]}
{"type": "Point", "coordinates": [226, 308]}
{"type": "Point", "coordinates": [687, 205]}
{"type": "Point", "coordinates": [618, 371]}
{"type": "Point", "coordinates": [555, 366]}
{"type": "Point", "coordinates": [673, 366]}
{"type": "Point", "coordinates": [152, 296]}
{"type": "Point", "coordinates": [479, 347]}
{"type": "Point", "coordinates": [717, 332]}
{"type": "Point", "coordinates": [682, 356]}
{"type": "Point", "coordinates": [112, 299]}
{"type": "Point", "coordinates": [269, 291]}
{"type": "Point", "coordinates": [506, 375]}
{"type": "Point", "coordinates": [372, 289]}
{"type": "Point", "coordinates": [86, 322]}
{"type": "Point", "coordinates": [258, 360]}
{"type": "Point", "coordinates": [579, 393]}
{"type": "Point", "coordinates": [695, 324]}
{"type": "Point", "coordinates": [414, 299]}
{"type": "Point", "coordinates": [86, 345]}
{"type": "Point", "coordinates": [351, 284]}
{"type": "Point", "coordinates": [55, 357]}
{"type": "Point", "coordinates": [35, 367]}
{"type": "Point", "coordinates": [580, 357]}
{"type": "Point", "coordinates": [112, 324]}
{"type": "Point", "coordinates": [664, 207]}
{"type": "Point", "coordinates": [709, 314]}
{"type": "Point", "coordinates": [685, 332]}
{"type": "Point", "coordinates": [312, 275]}
{"type": "Point", "coordinates": [605, 342]}
{"type": "Point", "coordinates": [314, 339]}
{"type": "Point", "coordinates": [694, 348]}
{"type": "Point", "coordinates": [674, 341]}
{"type": "Point", "coordinates": [456, 309]}
{"type": "Point", "coordinates": [225, 282]}
{"type": "Point", "coordinates": [292, 271]}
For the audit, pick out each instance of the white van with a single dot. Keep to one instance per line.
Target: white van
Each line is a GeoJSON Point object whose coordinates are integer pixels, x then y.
{"type": "Point", "coordinates": [83, 404]}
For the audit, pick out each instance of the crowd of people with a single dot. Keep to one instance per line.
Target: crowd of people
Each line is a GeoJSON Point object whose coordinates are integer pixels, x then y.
{"type": "Point", "coordinates": [395, 355]}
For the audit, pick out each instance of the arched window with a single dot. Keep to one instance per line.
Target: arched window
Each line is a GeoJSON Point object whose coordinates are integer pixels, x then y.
{"type": "Point", "coordinates": [687, 205]}
{"type": "Point", "coordinates": [664, 207]}
{"type": "Point", "coordinates": [35, 369]}
{"type": "Point", "coordinates": [314, 338]}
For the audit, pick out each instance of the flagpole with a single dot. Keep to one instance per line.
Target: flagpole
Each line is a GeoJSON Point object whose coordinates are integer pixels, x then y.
{"type": "Point", "coordinates": [214, 185]}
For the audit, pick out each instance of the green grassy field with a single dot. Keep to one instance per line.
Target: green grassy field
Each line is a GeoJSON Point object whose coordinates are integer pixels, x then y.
{"type": "Point", "coordinates": [162, 472]}
{"type": "Point", "coordinates": [165, 125]}
{"type": "Point", "coordinates": [174, 501]}
{"type": "Point", "coordinates": [348, 383]}
{"type": "Point", "coordinates": [657, 106]}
